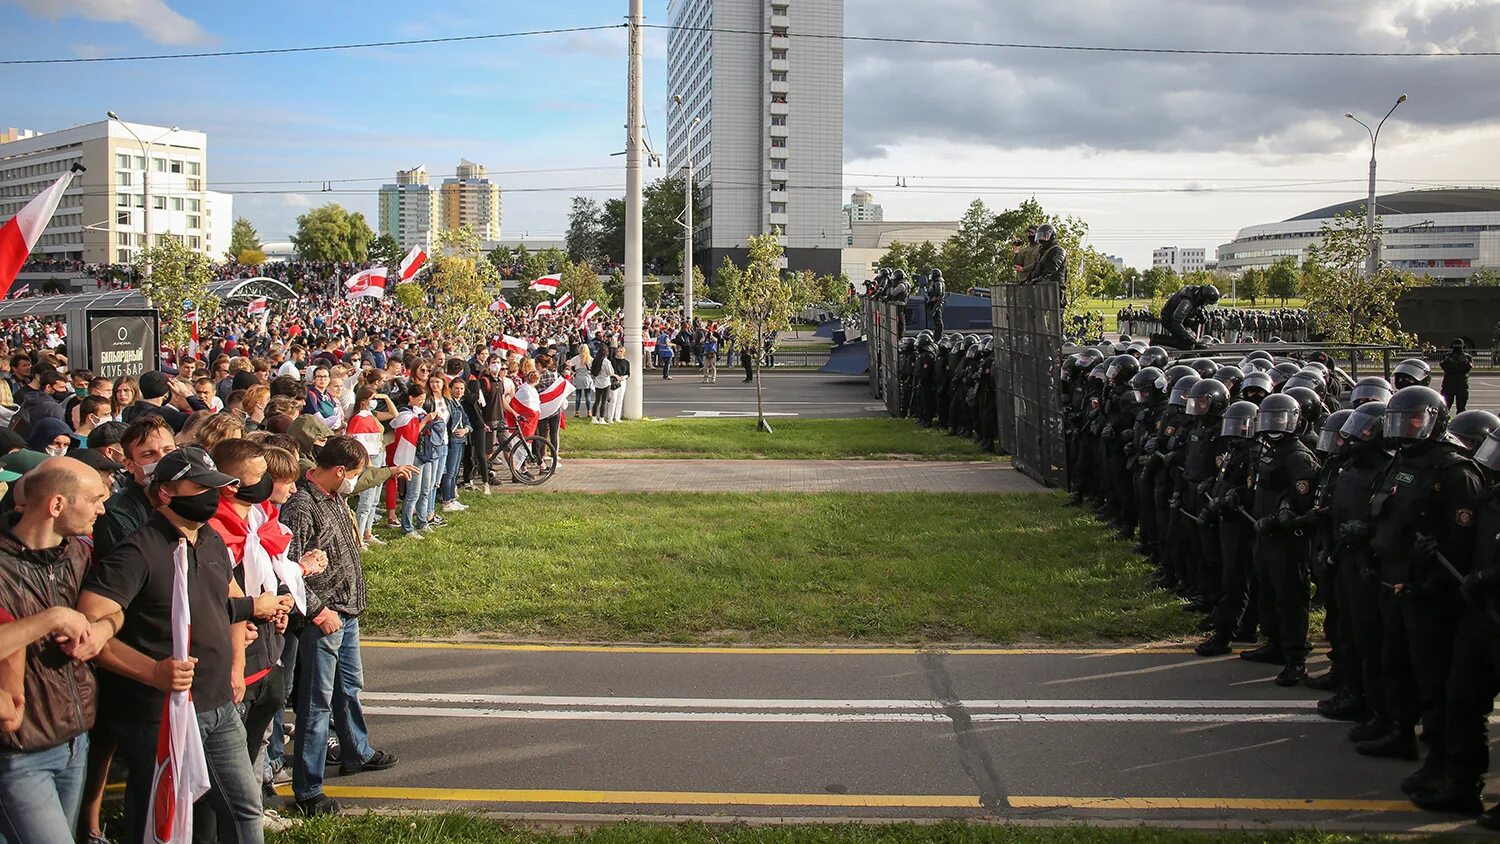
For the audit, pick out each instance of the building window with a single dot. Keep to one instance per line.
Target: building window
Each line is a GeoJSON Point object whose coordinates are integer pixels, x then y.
{"type": "Point", "coordinates": [140, 162]}
{"type": "Point", "coordinates": [122, 161]}
{"type": "Point", "coordinates": [194, 168]}
{"type": "Point", "coordinates": [123, 238]}
{"type": "Point", "coordinates": [176, 203]}
{"type": "Point", "coordinates": [195, 184]}
{"type": "Point", "coordinates": [122, 179]}
{"type": "Point", "coordinates": [193, 205]}
{"type": "Point", "coordinates": [175, 166]}
{"type": "Point", "coordinates": [780, 143]}
{"type": "Point", "coordinates": [122, 200]}
{"type": "Point", "coordinates": [778, 76]}
{"type": "Point", "coordinates": [159, 165]}
{"type": "Point", "coordinates": [194, 242]}
{"type": "Point", "coordinates": [159, 203]}
{"type": "Point", "coordinates": [122, 218]}
{"type": "Point", "coordinates": [122, 256]}
{"type": "Point", "coordinates": [194, 221]}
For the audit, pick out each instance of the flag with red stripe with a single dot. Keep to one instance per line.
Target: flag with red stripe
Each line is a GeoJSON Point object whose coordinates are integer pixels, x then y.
{"type": "Point", "coordinates": [258, 306]}
{"type": "Point", "coordinates": [407, 426]}
{"type": "Point", "coordinates": [514, 344]}
{"type": "Point", "coordinates": [20, 234]}
{"type": "Point", "coordinates": [554, 398]}
{"type": "Point", "coordinates": [587, 312]}
{"type": "Point", "coordinates": [369, 283]}
{"type": "Point", "coordinates": [563, 301]}
{"type": "Point", "coordinates": [411, 264]}
{"type": "Point", "coordinates": [544, 309]}
{"type": "Point", "coordinates": [547, 283]}
{"type": "Point", "coordinates": [499, 305]}
{"type": "Point", "coordinates": [181, 774]}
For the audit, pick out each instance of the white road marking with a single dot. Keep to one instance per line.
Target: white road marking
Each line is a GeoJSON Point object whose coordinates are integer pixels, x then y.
{"type": "Point", "coordinates": [821, 703]}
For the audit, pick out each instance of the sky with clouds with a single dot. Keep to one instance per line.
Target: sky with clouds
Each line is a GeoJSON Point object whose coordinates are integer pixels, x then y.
{"type": "Point", "coordinates": [1150, 149]}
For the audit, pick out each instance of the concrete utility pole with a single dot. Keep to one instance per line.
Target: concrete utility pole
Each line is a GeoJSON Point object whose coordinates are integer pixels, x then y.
{"type": "Point", "coordinates": [1373, 262]}
{"type": "Point", "coordinates": [687, 221]}
{"type": "Point", "coordinates": [634, 299]}
{"type": "Point", "coordinates": [145, 182]}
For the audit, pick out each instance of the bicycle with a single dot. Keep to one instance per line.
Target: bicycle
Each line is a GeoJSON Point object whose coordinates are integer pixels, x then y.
{"type": "Point", "coordinates": [530, 460]}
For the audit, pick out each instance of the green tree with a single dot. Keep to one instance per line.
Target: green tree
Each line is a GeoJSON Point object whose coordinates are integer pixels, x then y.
{"type": "Point", "coordinates": [251, 257]}
{"type": "Point", "coordinates": [651, 289]}
{"type": "Point", "coordinates": [1108, 281]}
{"type": "Point", "coordinates": [614, 289]}
{"type": "Point", "coordinates": [585, 238]}
{"type": "Point", "coordinates": [1169, 282]}
{"type": "Point", "coordinates": [971, 258]}
{"type": "Point", "coordinates": [242, 237]}
{"type": "Point", "coordinates": [1282, 278]}
{"type": "Point", "coordinates": [331, 233]}
{"type": "Point", "coordinates": [727, 282]}
{"type": "Point", "coordinates": [661, 233]}
{"type": "Point", "coordinates": [1347, 304]}
{"type": "Point", "coordinates": [1485, 277]}
{"type": "Point", "coordinates": [178, 283]}
{"type": "Point", "coordinates": [386, 252]}
{"type": "Point", "coordinates": [766, 302]}
{"type": "Point", "coordinates": [455, 296]}
{"type": "Point", "coordinates": [582, 281]}
{"type": "Point", "coordinates": [1130, 281]}
{"type": "Point", "coordinates": [1251, 284]}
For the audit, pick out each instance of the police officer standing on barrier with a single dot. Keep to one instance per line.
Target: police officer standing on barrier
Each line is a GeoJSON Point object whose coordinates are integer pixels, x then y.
{"type": "Point", "coordinates": [936, 293]}
{"type": "Point", "coordinates": [1183, 311]}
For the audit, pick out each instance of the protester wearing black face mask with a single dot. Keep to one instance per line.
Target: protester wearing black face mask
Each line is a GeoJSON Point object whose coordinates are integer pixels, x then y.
{"type": "Point", "coordinates": [133, 586]}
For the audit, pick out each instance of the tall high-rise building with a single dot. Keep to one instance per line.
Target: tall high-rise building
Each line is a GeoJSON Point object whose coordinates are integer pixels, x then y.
{"type": "Point", "coordinates": [768, 146]}
{"type": "Point", "coordinates": [409, 208]}
{"type": "Point", "coordinates": [102, 216]}
{"type": "Point", "coordinates": [471, 200]}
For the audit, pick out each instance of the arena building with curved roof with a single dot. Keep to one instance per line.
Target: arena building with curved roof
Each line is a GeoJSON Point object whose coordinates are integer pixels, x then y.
{"type": "Point", "coordinates": [1445, 234]}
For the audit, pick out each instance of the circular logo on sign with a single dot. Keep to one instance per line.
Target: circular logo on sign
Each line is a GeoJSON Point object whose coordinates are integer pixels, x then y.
{"type": "Point", "coordinates": [121, 334]}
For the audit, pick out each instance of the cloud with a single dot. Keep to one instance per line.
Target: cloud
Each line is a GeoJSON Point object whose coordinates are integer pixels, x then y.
{"type": "Point", "coordinates": [297, 200]}
{"type": "Point", "coordinates": [91, 51]}
{"type": "Point", "coordinates": [154, 18]}
{"type": "Point", "coordinates": [1015, 98]}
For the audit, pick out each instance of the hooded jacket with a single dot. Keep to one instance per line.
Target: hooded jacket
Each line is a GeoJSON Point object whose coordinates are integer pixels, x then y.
{"type": "Point", "coordinates": [308, 429]}
{"type": "Point", "coordinates": [61, 693]}
{"type": "Point", "coordinates": [36, 406]}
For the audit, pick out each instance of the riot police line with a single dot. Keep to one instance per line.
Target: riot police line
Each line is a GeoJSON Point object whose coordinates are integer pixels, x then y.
{"type": "Point", "coordinates": [1236, 325]}
{"type": "Point", "coordinates": [1250, 483]}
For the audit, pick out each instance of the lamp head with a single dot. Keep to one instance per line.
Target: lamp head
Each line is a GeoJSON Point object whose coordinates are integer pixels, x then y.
{"type": "Point", "coordinates": [1349, 114]}
{"type": "Point", "coordinates": [112, 115]}
{"type": "Point", "coordinates": [1401, 99]}
{"type": "Point", "coordinates": [677, 98]}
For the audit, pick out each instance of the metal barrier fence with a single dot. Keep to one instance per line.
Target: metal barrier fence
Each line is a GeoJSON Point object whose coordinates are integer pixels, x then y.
{"type": "Point", "coordinates": [883, 330]}
{"type": "Point", "coordinates": [1028, 334]}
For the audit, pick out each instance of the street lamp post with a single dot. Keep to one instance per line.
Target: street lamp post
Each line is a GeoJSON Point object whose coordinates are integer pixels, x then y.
{"type": "Point", "coordinates": [1372, 263]}
{"type": "Point", "coordinates": [687, 221]}
{"type": "Point", "coordinates": [145, 184]}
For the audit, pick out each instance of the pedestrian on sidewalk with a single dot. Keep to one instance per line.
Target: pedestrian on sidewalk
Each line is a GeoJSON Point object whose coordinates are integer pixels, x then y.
{"type": "Point", "coordinates": [664, 351]}
{"type": "Point", "coordinates": [710, 358]}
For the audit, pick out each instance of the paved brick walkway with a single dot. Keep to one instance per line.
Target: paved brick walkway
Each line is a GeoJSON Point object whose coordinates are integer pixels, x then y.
{"type": "Point", "coordinates": [783, 476]}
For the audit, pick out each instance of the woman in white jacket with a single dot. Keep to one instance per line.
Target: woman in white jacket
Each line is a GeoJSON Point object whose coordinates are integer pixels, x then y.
{"type": "Point", "coordinates": [603, 374]}
{"type": "Point", "coordinates": [617, 397]}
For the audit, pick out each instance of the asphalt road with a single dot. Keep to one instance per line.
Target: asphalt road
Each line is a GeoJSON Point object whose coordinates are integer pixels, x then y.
{"type": "Point", "coordinates": [787, 394]}
{"type": "Point", "coordinates": [1055, 736]}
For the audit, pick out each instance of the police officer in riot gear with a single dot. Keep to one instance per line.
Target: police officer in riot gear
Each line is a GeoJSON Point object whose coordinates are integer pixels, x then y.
{"type": "Point", "coordinates": [1283, 478]}
{"type": "Point", "coordinates": [1255, 387]}
{"type": "Point", "coordinates": [924, 387]}
{"type": "Point", "coordinates": [1149, 387]}
{"type": "Point", "coordinates": [1182, 311]}
{"type": "Point", "coordinates": [1202, 458]}
{"type": "Point", "coordinates": [1422, 514]}
{"type": "Point", "coordinates": [906, 359]}
{"type": "Point", "coordinates": [1227, 497]}
{"type": "Point", "coordinates": [1412, 372]}
{"type": "Point", "coordinates": [1471, 427]}
{"type": "Point", "coordinates": [1371, 388]}
{"type": "Point", "coordinates": [1171, 444]}
{"type": "Point", "coordinates": [1118, 416]}
{"type": "Point", "coordinates": [935, 294]}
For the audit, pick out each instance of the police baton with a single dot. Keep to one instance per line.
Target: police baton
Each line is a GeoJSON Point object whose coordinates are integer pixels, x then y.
{"type": "Point", "coordinates": [1438, 555]}
{"type": "Point", "coordinates": [1186, 515]}
{"type": "Point", "coordinates": [1242, 512]}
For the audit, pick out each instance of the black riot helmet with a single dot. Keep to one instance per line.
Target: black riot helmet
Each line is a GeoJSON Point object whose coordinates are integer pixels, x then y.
{"type": "Point", "coordinates": [1364, 425]}
{"type": "Point", "coordinates": [1045, 233]}
{"type": "Point", "coordinates": [924, 341]}
{"type": "Point", "coordinates": [1261, 354]}
{"type": "Point", "coordinates": [1239, 420]}
{"type": "Point", "coordinates": [1249, 365]}
{"type": "Point", "coordinates": [1472, 426]}
{"type": "Point", "coordinates": [1097, 373]}
{"type": "Point", "coordinates": [961, 342]}
{"type": "Point", "coordinates": [1090, 354]}
{"type": "Point", "coordinates": [1207, 398]}
{"type": "Point", "coordinates": [1488, 453]}
{"type": "Point", "coordinates": [935, 275]}
{"type": "Point", "coordinates": [1278, 415]}
{"type": "Point", "coordinates": [1415, 414]}
{"type": "Point", "coordinates": [972, 338]}
{"type": "Point", "coordinates": [1207, 294]}
{"type": "Point", "coordinates": [1121, 369]}
{"type": "Point", "coordinates": [1370, 388]}
{"type": "Point", "coordinates": [1256, 386]}
{"type": "Point", "coordinates": [947, 343]}
{"type": "Point", "coordinates": [1321, 367]}
{"type": "Point", "coordinates": [908, 343]}
{"type": "Point", "coordinates": [1180, 390]}
{"type": "Point", "coordinates": [1176, 373]}
{"type": "Point", "coordinates": [1309, 378]}
{"type": "Point", "coordinates": [1411, 372]}
{"type": "Point", "coordinates": [972, 351]}
{"type": "Point", "coordinates": [1154, 356]}
{"type": "Point", "coordinates": [1329, 438]}
{"type": "Point", "coordinates": [1309, 402]}
{"type": "Point", "coordinates": [1287, 368]}
{"type": "Point", "coordinates": [1229, 376]}
{"type": "Point", "coordinates": [1204, 367]}
{"type": "Point", "coordinates": [1149, 385]}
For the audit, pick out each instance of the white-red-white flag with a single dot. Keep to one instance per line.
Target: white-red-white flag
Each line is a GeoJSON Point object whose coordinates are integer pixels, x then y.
{"type": "Point", "coordinates": [514, 344]}
{"type": "Point", "coordinates": [20, 290]}
{"type": "Point", "coordinates": [563, 301]}
{"type": "Point", "coordinates": [192, 320]}
{"type": "Point", "coordinates": [544, 309]}
{"type": "Point", "coordinates": [407, 426]}
{"type": "Point", "coordinates": [554, 398]}
{"type": "Point", "coordinates": [649, 343]}
{"type": "Point", "coordinates": [181, 774]}
{"type": "Point", "coordinates": [411, 264]}
{"type": "Point", "coordinates": [547, 283]}
{"type": "Point", "coordinates": [587, 312]}
{"type": "Point", "coordinates": [499, 305]}
{"type": "Point", "coordinates": [370, 283]}
{"type": "Point", "coordinates": [258, 306]}
{"type": "Point", "coordinates": [21, 232]}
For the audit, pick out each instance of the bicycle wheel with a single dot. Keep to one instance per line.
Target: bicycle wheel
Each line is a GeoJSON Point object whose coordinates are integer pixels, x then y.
{"type": "Point", "coordinates": [532, 461]}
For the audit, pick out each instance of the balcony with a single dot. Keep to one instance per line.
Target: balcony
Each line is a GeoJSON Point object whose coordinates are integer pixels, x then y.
{"type": "Point", "coordinates": [781, 65]}
{"type": "Point", "coordinates": [780, 131]}
{"type": "Point", "coordinates": [778, 195]}
{"type": "Point", "coordinates": [781, 108]}
{"type": "Point", "coordinates": [778, 176]}
{"type": "Point", "coordinates": [781, 21]}
{"type": "Point", "coordinates": [780, 42]}
{"type": "Point", "coordinates": [781, 87]}
{"type": "Point", "coordinates": [779, 219]}
{"type": "Point", "coordinates": [779, 152]}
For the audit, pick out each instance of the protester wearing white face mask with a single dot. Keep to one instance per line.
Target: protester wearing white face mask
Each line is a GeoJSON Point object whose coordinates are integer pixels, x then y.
{"type": "Point", "coordinates": [329, 650]}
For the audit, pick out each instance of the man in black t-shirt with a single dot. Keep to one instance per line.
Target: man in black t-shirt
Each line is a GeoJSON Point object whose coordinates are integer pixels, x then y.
{"type": "Point", "coordinates": [133, 585]}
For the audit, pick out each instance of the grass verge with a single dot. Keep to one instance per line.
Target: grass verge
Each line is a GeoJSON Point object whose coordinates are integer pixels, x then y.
{"type": "Point", "coordinates": [875, 438]}
{"type": "Point", "coordinates": [769, 567]}
{"type": "Point", "coordinates": [465, 829]}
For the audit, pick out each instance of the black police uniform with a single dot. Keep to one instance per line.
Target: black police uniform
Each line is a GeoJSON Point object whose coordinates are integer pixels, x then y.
{"type": "Point", "coordinates": [1285, 478]}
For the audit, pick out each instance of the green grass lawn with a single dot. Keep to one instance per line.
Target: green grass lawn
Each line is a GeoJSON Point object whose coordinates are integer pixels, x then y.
{"type": "Point", "coordinates": [769, 567]}
{"type": "Point", "coordinates": [875, 438]}
{"type": "Point", "coordinates": [465, 829]}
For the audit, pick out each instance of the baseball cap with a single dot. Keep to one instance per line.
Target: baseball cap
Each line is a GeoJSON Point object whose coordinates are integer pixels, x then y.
{"type": "Point", "coordinates": [22, 461]}
{"type": "Point", "coordinates": [191, 463]}
{"type": "Point", "coordinates": [10, 440]}
{"type": "Point", "coordinates": [96, 460]}
{"type": "Point", "coordinates": [154, 384]}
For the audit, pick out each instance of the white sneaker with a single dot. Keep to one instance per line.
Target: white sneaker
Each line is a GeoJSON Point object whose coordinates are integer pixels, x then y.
{"type": "Point", "coordinates": [415, 534]}
{"type": "Point", "coordinates": [453, 506]}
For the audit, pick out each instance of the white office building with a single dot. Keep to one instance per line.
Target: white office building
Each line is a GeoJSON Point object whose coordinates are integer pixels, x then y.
{"type": "Point", "coordinates": [1179, 260]}
{"type": "Point", "coordinates": [409, 208]}
{"type": "Point", "coordinates": [767, 147]}
{"type": "Point", "coordinates": [1444, 234]}
{"type": "Point", "coordinates": [103, 217]}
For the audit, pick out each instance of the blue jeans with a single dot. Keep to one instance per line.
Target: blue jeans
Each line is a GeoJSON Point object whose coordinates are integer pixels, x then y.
{"type": "Point", "coordinates": [233, 801]}
{"type": "Point", "coordinates": [332, 677]}
{"type": "Point", "coordinates": [413, 511]}
{"type": "Point", "coordinates": [40, 792]}
{"type": "Point", "coordinates": [430, 484]}
{"type": "Point", "coordinates": [583, 397]}
{"type": "Point", "coordinates": [448, 486]}
{"type": "Point", "coordinates": [365, 507]}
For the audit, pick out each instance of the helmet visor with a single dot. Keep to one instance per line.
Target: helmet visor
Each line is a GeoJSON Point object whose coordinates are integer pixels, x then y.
{"type": "Point", "coordinates": [1199, 405]}
{"type": "Point", "coordinates": [1328, 440]}
{"type": "Point", "coordinates": [1238, 427]}
{"type": "Point", "coordinates": [1488, 454]}
{"type": "Point", "coordinates": [1409, 425]}
{"type": "Point", "coordinates": [1143, 396]}
{"type": "Point", "coordinates": [1361, 426]}
{"type": "Point", "coordinates": [1368, 392]}
{"type": "Point", "coordinates": [1277, 421]}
